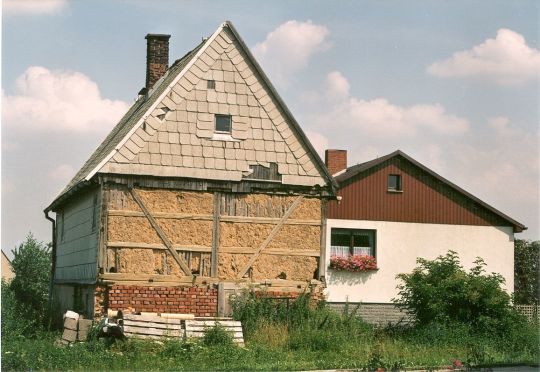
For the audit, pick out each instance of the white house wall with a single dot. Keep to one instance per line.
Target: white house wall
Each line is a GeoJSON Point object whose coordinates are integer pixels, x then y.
{"type": "Point", "coordinates": [398, 245]}
{"type": "Point", "coordinates": [77, 240]}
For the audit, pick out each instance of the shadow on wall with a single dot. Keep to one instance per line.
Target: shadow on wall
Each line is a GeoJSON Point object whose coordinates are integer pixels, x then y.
{"type": "Point", "coordinates": [348, 278]}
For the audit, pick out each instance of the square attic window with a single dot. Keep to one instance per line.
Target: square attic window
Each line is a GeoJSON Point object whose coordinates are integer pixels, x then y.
{"type": "Point", "coordinates": [223, 124]}
{"type": "Point", "coordinates": [211, 84]}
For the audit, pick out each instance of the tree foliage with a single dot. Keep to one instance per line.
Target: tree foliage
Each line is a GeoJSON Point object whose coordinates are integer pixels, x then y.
{"type": "Point", "coordinates": [442, 291]}
{"type": "Point", "coordinates": [526, 271]}
{"type": "Point", "coordinates": [32, 267]}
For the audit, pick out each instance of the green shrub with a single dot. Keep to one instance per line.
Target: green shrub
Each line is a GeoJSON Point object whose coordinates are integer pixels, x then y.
{"type": "Point", "coordinates": [442, 291]}
{"type": "Point", "coordinates": [17, 320]}
{"type": "Point", "coordinates": [217, 336]}
{"type": "Point", "coordinates": [32, 267]}
{"type": "Point", "coordinates": [526, 271]}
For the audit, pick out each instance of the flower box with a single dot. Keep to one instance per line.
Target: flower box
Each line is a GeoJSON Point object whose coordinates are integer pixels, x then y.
{"type": "Point", "coordinates": [356, 263]}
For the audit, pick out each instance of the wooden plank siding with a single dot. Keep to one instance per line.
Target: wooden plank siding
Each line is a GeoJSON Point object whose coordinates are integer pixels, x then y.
{"type": "Point", "coordinates": [423, 199]}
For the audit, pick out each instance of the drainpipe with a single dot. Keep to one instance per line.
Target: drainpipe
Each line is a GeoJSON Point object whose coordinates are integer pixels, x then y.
{"type": "Point", "coordinates": [53, 266]}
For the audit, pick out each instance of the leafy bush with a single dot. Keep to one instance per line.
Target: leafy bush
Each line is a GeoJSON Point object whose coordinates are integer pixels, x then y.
{"type": "Point", "coordinates": [441, 291]}
{"type": "Point", "coordinates": [32, 267]}
{"type": "Point", "coordinates": [25, 307]}
{"type": "Point", "coordinates": [17, 320]}
{"type": "Point", "coordinates": [526, 271]}
{"type": "Point", "coordinates": [217, 336]}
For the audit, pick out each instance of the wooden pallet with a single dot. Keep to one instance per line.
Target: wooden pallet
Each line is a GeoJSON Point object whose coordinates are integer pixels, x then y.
{"type": "Point", "coordinates": [157, 327]}
{"type": "Point", "coordinates": [197, 328]}
{"type": "Point", "coordinates": [149, 326]}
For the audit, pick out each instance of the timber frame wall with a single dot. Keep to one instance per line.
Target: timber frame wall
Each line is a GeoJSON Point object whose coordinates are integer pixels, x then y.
{"type": "Point", "coordinates": [163, 235]}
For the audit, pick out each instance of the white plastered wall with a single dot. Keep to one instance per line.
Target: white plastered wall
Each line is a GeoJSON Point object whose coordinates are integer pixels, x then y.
{"type": "Point", "coordinates": [398, 246]}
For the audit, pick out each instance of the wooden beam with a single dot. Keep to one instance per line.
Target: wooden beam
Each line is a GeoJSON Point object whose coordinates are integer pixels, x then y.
{"type": "Point", "coordinates": [179, 260]}
{"type": "Point", "coordinates": [273, 233]}
{"type": "Point", "coordinates": [283, 251]}
{"type": "Point", "coordinates": [103, 223]}
{"type": "Point", "coordinates": [184, 248]}
{"type": "Point", "coordinates": [168, 215]}
{"type": "Point", "coordinates": [322, 258]}
{"type": "Point", "coordinates": [268, 220]}
{"type": "Point", "coordinates": [273, 251]}
{"type": "Point", "coordinates": [215, 235]}
{"type": "Point", "coordinates": [208, 217]}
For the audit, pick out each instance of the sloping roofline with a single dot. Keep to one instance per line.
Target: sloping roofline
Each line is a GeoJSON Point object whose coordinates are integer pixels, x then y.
{"type": "Point", "coordinates": [350, 173]}
{"type": "Point", "coordinates": [135, 117]}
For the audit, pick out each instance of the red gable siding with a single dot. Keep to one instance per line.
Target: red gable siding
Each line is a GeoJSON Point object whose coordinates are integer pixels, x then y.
{"type": "Point", "coordinates": [424, 199]}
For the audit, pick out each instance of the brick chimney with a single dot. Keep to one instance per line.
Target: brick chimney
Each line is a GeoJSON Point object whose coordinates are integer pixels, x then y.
{"type": "Point", "coordinates": [157, 57]}
{"type": "Point", "coordinates": [335, 160]}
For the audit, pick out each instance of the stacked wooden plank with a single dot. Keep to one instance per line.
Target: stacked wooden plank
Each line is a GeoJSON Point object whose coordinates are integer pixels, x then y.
{"type": "Point", "coordinates": [166, 326]}
{"type": "Point", "coordinates": [197, 328]}
{"type": "Point", "coordinates": [152, 326]}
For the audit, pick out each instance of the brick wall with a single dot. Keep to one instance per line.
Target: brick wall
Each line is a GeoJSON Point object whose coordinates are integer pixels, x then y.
{"type": "Point", "coordinates": [200, 301]}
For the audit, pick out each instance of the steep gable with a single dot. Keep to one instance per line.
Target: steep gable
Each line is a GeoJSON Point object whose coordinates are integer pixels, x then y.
{"type": "Point", "coordinates": [171, 132]}
{"type": "Point", "coordinates": [178, 137]}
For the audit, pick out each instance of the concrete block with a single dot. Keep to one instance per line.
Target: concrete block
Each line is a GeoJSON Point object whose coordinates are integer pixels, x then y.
{"type": "Point", "coordinates": [70, 323]}
{"type": "Point", "coordinates": [69, 335]}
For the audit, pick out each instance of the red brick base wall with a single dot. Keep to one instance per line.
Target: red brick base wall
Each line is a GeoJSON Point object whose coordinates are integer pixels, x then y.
{"type": "Point", "coordinates": [200, 301]}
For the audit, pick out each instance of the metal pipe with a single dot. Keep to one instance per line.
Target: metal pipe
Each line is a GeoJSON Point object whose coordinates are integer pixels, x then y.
{"type": "Point", "coordinates": [53, 253]}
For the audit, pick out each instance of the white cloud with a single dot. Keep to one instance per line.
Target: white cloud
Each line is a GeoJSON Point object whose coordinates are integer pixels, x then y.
{"type": "Point", "coordinates": [289, 47]}
{"type": "Point", "coordinates": [379, 118]}
{"type": "Point", "coordinates": [382, 119]}
{"type": "Point", "coordinates": [338, 86]}
{"type": "Point", "coordinates": [33, 6]}
{"type": "Point", "coordinates": [373, 128]}
{"type": "Point", "coordinates": [47, 100]}
{"type": "Point", "coordinates": [507, 59]}
{"type": "Point", "coordinates": [497, 160]}
{"type": "Point", "coordinates": [319, 142]}
{"type": "Point", "coordinates": [63, 173]}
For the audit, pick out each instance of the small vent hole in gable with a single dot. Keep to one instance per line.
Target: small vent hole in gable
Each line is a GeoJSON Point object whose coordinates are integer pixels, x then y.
{"type": "Point", "coordinates": [165, 111]}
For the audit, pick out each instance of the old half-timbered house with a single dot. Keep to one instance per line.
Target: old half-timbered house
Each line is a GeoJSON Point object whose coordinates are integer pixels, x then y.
{"type": "Point", "coordinates": [206, 184]}
{"type": "Point", "coordinates": [395, 209]}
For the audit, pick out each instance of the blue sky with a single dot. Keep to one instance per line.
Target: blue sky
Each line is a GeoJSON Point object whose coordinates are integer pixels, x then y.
{"type": "Point", "coordinates": [454, 84]}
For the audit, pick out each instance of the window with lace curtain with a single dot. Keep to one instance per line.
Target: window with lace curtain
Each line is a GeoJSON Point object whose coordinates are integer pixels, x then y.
{"type": "Point", "coordinates": [349, 242]}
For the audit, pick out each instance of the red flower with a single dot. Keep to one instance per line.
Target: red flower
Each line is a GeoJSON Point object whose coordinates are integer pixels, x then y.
{"type": "Point", "coordinates": [353, 263]}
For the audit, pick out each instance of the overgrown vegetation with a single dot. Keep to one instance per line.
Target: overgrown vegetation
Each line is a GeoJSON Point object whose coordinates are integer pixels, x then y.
{"type": "Point", "coordinates": [526, 271]}
{"type": "Point", "coordinates": [300, 335]}
{"type": "Point", "coordinates": [25, 300]}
